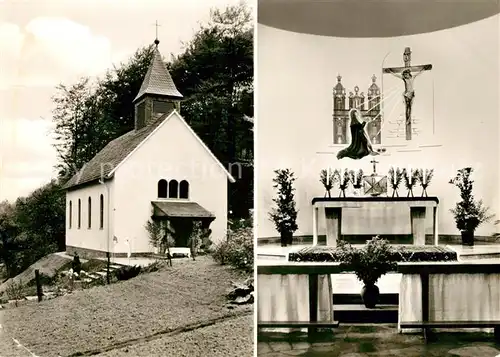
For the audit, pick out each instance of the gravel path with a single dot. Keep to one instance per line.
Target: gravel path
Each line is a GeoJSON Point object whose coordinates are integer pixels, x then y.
{"type": "Point", "coordinates": [157, 303]}
{"type": "Point", "coordinates": [231, 338]}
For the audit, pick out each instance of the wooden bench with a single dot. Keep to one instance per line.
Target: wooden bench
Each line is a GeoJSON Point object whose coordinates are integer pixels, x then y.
{"type": "Point", "coordinates": [313, 270]}
{"type": "Point", "coordinates": [426, 269]}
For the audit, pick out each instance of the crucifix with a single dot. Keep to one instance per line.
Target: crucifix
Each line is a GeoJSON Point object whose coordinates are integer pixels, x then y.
{"type": "Point", "coordinates": [374, 162]}
{"type": "Point", "coordinates": [408, 73]}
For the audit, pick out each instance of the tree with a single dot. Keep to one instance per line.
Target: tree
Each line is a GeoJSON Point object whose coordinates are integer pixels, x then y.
{"type": "Point", "coordinates": [284, 215]}
{"type": "Point", "coordinates": [32, 227]}
{"type": "Point", "coordinates": [215, 74]}
{"type": "Point", "coordinates": [88, 115]}
{"type": "Point", "coordinates": [8, 233]}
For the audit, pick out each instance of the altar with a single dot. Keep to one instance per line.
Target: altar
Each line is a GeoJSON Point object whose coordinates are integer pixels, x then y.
{"type": "Point", "coordinates": [333, 209]}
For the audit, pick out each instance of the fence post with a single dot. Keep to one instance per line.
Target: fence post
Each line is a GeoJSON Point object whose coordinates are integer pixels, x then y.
{"type": "Point", "coordinates": [107, 267]}
{"type": "Point", "coordinates": [39, 291]}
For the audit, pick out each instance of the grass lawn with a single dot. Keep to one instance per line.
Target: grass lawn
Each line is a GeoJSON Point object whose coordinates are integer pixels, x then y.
{"type": "Point", "coordinates": [143, 311]}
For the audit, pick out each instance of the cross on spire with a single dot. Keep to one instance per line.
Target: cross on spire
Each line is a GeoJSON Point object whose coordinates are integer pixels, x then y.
{"type": "Point", "coordinates": [156, 38]}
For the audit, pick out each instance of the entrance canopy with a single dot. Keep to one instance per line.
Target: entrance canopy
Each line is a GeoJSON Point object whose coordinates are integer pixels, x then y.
{"type": "Point", "coordinates": [374, 18]}
{"type": "Point", "coordinates": [175, 209]}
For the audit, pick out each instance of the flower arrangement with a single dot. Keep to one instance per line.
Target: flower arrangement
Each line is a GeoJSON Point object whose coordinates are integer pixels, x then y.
{"type": "Point", "coordinates": [410, 178]}
{"type": "Point", "coordinates": [369, 263]}
{"type": "Point", "coordinates": [425, 178]}
{"type": "Point", "coordinates": [356, 178]}
{"type": "Point", "coordinates": [328, 179]}
{"type": "Point", "coordinates": [344, 180]}
{"type": "Point", "coordinates": [395, 178]}
{"type": "Point", "coordinates": [468, 213]}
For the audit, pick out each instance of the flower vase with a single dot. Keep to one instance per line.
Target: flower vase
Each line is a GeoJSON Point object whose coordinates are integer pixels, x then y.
{"type": "Point", "coordinates": [370, 294]}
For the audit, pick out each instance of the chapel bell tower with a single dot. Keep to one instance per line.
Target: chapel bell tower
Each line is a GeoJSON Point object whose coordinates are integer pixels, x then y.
{"type": "Point", "coordinates": [158, 94]}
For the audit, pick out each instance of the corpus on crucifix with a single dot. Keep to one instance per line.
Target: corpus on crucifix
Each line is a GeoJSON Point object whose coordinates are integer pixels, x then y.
{"type": "Point", "coordinates": [408, 73]}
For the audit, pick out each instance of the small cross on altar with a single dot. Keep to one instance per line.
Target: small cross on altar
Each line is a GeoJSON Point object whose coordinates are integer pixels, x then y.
{"type": "Point", "coordinates": [374, 162]}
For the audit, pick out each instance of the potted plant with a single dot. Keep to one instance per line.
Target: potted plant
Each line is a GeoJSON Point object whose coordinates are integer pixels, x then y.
{"type": "Point", "coordinates": [369, 263]}
{"type": "Point", "coordinates": [468, 213]}
{"type": "Point", "coordinates": [344, 180]}
{"type": "Point", "coordinates": [356, 179]}
{"type": "Point", "coordinates": [411, 179]}
{"type": "Point", "coordinates": [328, 179]}
{"type": "Point", "coordinates": [425, 177]}
{"type": "Point", "coordinates": [284, 215]}
{"type": "Point", "coordinates": [395, 177]}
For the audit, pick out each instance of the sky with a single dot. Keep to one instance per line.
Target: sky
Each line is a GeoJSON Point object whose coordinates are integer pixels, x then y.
{"type": "Point", "coordinates": [47, 42]}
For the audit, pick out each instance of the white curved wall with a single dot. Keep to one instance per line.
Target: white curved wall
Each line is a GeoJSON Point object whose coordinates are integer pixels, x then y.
{"type": "Point", "coordinates": [296, 74]}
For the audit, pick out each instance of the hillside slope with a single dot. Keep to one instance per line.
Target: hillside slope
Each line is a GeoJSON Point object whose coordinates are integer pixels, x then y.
{"type": "Point", "coordinates": [48, 265]}
{"type": "Point", "coordinates": [130, 312]}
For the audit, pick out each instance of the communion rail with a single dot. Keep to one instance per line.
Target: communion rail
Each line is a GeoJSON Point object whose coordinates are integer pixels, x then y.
{"type": "Point", "coordinates": [313, 271]}
{"type": "Point", "coordinates": [450, 295]}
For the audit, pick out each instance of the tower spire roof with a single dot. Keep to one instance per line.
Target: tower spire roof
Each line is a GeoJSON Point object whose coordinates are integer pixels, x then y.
{"type": "Point", "coordinates": [158, 80]}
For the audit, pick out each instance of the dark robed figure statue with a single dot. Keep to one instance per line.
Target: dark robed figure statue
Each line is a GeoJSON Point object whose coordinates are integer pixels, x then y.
{"type": "Point", "coordinates": [360, 143]}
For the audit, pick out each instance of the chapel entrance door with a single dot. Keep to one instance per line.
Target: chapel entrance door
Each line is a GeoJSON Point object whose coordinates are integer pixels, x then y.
{"type": "Point", "coordinates": [183, 228]}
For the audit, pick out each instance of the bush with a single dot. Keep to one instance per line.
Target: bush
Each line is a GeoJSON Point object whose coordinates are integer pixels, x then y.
{"type": "Point", "coordinates": [93, 265]}
{"type": "Point", "coordinates": [15, 291]}
{"type": "Point", "coordinates": [220, 252]}
{"type": "Point", "coordinates": [237, 250]}
{"type": "Point", "coordinates": [127, 272]}
{"type": "Point", "coordinates": [45, 280]}
{"type": "Point", "coordinates": [151, 268]}
{"type": "Point", "coordinates": [235, 224]}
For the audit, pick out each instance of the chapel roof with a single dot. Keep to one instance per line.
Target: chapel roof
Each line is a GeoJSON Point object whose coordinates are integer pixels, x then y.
{"type": "Point", "coordinates": [158, 80]}
{"type": "Point", "coordinates": [112, 155]}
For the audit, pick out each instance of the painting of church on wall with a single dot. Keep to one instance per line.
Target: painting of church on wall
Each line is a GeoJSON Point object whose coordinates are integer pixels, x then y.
{"type": "Point", "coordinates": [369, 107]}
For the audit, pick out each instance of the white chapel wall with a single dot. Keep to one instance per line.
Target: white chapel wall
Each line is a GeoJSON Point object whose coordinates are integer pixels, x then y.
{"type": "Point", "coordinates": [93, 238]}
{"type": "Point", "coordinates": [172, 153]}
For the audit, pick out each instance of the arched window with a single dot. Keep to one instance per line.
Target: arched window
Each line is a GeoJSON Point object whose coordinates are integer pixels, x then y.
{"type": "Point", "coordinates": [184, 189]}
{"type": "Point", "coordinates": [79, 213]}
{"type": "Point", "coordinates": [173, 189]}
{"type": "Point", "coordinates": [162, 189]}
{"type": "Point", "coordinates": [90, 213]}
{"type": "Point", "coordinates": [101, 212]}
{"type": "Point", "coordinates": [70, 213]}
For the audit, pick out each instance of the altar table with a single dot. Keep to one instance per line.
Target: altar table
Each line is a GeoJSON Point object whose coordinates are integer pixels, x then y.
{"type": "Point", "coordinates": [333, 207]}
